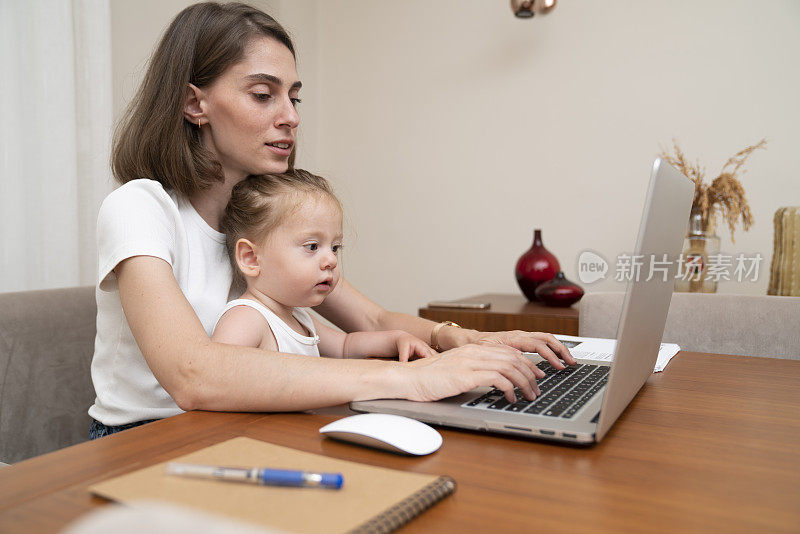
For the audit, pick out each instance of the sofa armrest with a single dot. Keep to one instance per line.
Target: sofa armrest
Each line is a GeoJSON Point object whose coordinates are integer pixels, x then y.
{"type": "Point", "coordinates": [46, 348]}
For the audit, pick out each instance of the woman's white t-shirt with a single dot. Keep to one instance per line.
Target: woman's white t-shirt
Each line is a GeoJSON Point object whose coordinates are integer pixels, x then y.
{"type": "Point", "coordinates": [141, 218]}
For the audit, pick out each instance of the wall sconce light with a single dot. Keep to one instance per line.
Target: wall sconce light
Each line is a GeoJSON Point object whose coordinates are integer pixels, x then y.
{"type": "Point", "coordinates": [525, 9]}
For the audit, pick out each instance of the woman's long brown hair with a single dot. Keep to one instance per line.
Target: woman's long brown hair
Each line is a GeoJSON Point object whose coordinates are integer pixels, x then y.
{"type": "Point", "coordinates": [153, 139]}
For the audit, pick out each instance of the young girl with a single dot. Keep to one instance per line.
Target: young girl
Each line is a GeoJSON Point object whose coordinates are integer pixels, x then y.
{"type": "Point", "coordinates": [284, 235]}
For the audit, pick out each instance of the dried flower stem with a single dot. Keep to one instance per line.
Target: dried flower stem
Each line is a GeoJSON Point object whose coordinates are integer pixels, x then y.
{"type": "Point", "coordinates": [724, 194]}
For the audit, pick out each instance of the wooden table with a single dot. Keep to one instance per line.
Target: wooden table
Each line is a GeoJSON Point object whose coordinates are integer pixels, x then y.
{"type": "Point", "coordinates": [712, 444]}
{"type": "Point", "coordinates": [508, 312]}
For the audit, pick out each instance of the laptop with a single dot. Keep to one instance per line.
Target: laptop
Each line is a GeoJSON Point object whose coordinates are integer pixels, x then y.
{"type": "Point", "coordinates": [580, 403]}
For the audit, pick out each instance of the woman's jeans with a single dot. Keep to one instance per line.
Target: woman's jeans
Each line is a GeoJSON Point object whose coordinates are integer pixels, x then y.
{"type": "Point", "coordinates": [98, 429]}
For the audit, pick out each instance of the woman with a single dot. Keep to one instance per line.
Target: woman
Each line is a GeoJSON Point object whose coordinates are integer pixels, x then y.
{"type": "Point", "coordinates": [218, 103]}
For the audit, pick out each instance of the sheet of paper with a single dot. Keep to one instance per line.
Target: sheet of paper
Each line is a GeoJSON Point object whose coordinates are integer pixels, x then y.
{"type": "Point", "coordinates": [602, 349]}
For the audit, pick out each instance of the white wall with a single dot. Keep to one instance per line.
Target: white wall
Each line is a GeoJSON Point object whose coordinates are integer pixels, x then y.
{"type": "Point", "coordinates": [451, 129]}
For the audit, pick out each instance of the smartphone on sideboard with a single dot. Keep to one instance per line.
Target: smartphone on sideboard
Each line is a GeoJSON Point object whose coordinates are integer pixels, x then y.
{"type": "Point", "coordinates": [460, 305]}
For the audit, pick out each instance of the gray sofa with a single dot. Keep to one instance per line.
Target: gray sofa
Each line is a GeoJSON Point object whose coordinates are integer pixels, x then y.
{"type": "Point", "coordinates": [46, 347]}
{"type": "Point", "coordinates": [747, 325]}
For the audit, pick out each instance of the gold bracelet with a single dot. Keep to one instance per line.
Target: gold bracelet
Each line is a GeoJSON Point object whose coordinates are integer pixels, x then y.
{"type": "Point", "coordinates": [435, 334]}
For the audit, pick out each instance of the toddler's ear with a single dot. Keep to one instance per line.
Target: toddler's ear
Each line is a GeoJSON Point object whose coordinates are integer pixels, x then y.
{"type": "Point", "coordinates": [246, 258]}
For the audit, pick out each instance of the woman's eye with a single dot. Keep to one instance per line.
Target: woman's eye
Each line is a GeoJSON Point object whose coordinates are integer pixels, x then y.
{"type": "Point", "coordinates": [311, 246]}
{"type": "Point", "coordinates": [262, 97]}
{"type": "Point", "coordinates": [295, 101]}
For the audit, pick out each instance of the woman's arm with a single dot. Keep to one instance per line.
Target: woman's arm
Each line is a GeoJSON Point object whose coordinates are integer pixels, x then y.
{"type": "Point", "coordinates": [201, 374]}
{"type": "Point", "coordinates": [351, 310]}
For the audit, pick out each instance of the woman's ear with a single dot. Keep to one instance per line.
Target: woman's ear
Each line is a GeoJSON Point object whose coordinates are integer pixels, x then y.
{"type": "Point", "coordinates": [247, 258]}
{"type": "Point", "coordinates": [193, 106]}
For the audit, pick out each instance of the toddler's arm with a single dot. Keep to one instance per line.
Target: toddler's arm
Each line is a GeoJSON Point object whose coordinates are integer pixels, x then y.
{"type": "Point", "coordinates": [244, 326]}
{"type": "Point", "coordinates": [387, 343]}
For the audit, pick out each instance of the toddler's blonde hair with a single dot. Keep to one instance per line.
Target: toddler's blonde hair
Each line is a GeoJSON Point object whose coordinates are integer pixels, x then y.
{"type": "Point", "coordinates": [261, 203]}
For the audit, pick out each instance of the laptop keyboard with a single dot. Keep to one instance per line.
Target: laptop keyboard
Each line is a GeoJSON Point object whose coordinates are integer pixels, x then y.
{"type": "Point", "coordinates": [564, 392]}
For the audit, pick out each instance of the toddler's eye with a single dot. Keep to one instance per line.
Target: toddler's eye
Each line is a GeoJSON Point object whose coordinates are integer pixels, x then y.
{"type": "Point", "coordinates": [311, 246]}
{"type": "Point", "coordinates": [336, 249]}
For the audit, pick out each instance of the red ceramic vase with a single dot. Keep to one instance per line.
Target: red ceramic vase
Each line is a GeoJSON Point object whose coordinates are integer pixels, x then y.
{"type": "Point", "coordinates": [535, 267]}
{"type": "Point", "coordinates": [559, 291]}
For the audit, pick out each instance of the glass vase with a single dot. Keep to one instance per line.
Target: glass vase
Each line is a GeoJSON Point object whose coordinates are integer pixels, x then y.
{"type": "Point", "coordinates": [693, 270]}
{"type": "Point", "coordinates": [559, 291]}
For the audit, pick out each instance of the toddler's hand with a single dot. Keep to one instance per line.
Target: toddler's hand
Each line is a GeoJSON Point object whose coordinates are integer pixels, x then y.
{"type": "Point", "coordinates": [408, 346]}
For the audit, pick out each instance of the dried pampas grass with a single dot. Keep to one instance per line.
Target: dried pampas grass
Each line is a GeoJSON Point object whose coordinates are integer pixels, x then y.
{"type": "Point", "coordinates": [724, 194]}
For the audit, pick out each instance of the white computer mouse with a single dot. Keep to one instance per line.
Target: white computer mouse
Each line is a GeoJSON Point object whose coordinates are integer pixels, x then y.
{"type": "Point", "coordinates": [383, 431]}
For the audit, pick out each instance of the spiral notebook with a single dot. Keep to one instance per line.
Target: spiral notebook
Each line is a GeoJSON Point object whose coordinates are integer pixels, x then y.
{"type": "Point", "coordinates": [373, 499]}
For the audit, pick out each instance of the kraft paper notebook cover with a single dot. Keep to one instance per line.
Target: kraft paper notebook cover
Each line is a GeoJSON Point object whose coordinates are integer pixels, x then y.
{"type": "Point", "coordinates": [373, 499]}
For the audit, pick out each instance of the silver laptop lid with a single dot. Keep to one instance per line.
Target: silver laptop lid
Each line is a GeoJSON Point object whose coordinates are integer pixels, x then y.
{"type": "Point", "coordinates": [644, 310]}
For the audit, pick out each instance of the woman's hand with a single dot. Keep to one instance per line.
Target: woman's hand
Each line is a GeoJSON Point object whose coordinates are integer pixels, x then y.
{"type": "Point", "coordinates": [469, 366]}
{"type": "Point", "coordinates": [408, 346]}
{"type": "Point", "coordinates": [546, 345]}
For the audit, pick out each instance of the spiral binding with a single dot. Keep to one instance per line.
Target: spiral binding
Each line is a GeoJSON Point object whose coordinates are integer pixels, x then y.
{"type": "Point", "coordinates": [409, 508]}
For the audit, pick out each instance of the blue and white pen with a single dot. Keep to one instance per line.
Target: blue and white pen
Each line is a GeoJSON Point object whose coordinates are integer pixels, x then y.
{"type": "Point", "coordinates": [255, 475]}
